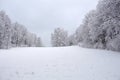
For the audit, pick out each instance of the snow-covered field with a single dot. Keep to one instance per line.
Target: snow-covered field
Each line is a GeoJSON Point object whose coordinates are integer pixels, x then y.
{"type": "Point", "coordinates": [67, 63]}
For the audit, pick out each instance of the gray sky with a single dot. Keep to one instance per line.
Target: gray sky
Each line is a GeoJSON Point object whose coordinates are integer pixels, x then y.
{"type": "Point", "coordinates": [43, 16]}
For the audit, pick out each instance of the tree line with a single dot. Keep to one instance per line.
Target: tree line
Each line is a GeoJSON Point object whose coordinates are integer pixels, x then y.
{"type": "Point", "coordinates": [15, 34]}
{"type": "Point", "coordinates": [100, 29]}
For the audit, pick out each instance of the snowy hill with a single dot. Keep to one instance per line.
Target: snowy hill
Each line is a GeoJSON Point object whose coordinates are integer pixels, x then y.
{"type": "Point", "coordinates": [67, 63]}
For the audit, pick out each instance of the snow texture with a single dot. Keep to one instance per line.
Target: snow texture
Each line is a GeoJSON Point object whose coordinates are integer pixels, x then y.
{"type": "Point", "coordinates": [66, 63]}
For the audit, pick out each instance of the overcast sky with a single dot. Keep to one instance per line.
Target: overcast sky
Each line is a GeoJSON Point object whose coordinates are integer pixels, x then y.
{"type": "Point", "coordinates": [43, 16]}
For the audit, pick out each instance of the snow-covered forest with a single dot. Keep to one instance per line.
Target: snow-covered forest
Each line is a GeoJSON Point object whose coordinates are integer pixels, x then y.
{"type": "Point", "coordinates": [15, 34]}
{"type": "Point", "coordinates": [100, 29]}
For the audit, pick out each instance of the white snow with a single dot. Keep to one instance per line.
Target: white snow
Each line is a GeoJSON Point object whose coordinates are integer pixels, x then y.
{"type": "Point", "coordinates": [67, 63]}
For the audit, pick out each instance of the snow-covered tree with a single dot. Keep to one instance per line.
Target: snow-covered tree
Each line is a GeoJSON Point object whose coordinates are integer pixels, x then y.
{"type": "Point", "coordinates": [101, 27]}
{"type": "Point", "coordinates": [106, 28]}
{"type": "Point", "coordinates": [109, 9]}
{"type": "Point", "coordinates": [83, 33]}
{"type": "Point", "coordinates": [19, 35]}
{"type": "Point", "coordinates": [112, 33]}
{"type": "Point", "coordinates": [78, 33]}
{"type": "Point", "coordinates": [33, 41]}
{"type": "Point", "coordinates": [38, 42]}
{"type": "Point", "coordinates": [5, 31]}
{"type": "Point", "coordinates": [59, 37]}
{"type": "Point", "coordinates": [15, 35]}
{"type": "Point", "coordinates": [72, 40]}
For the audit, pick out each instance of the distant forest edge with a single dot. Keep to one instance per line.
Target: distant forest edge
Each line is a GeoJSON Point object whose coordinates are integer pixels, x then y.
{"type": "Point", "coordinates": [15, 34]}
{"type": "Point", "coordinates": [100, 29]}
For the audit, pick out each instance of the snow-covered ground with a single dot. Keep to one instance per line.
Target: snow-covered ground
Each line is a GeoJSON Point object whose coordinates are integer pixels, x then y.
{"type": "Point", "coordinates": [67, 63]}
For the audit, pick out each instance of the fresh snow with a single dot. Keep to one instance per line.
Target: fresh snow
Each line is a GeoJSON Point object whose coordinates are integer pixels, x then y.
{"type": "Point", "coordinates": [67, 63]}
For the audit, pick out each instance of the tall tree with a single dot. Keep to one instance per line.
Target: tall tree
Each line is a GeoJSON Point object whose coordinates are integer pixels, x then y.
{"type": "Point", "coordinates": [5, 31]}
